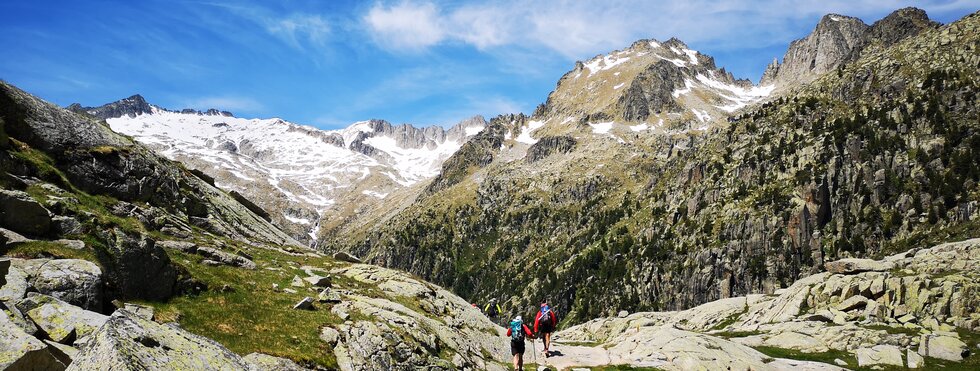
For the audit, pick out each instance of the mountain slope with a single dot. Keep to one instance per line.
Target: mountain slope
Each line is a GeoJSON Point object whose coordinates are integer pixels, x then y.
{"type": "Point", "coordinates": [869, 158]}
{"type": "Point", "coordinates": [311, 182]}
{"type": "Point", "coordinates": [91, 221]}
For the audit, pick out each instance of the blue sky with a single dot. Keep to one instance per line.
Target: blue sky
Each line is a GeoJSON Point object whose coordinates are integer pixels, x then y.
{"type": "Point", "coordinates": [330, 63]}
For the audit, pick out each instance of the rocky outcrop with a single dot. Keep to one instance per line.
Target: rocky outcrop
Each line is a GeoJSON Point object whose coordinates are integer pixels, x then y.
{"type": "Point", "coordinates": [549, 145]}
{"type": "Point", "coordinates": [811, 316]}
{"type": "Point", "coordinates": [59, 321]}
{"type": "Point", "coordinates": [137, 268]}
{"type": "Point", "coordinates": [839, 39]}
{"type": "Point", "coordinates": [77, 282]}
{"type": "Point", "coordinates": [21, 213]}
{"type": "Point", "coordinates": [130, 342]}
{"type": "Point", "coordinates": [132, 106]}
{"type": "Point", "coordinates": [21, 351]}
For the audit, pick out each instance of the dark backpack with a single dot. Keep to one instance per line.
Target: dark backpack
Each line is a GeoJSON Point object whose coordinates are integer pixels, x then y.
{"type": "Point", "coordinates": [516, 331]}
{"type": "Point", "coordinates": [545, 316]}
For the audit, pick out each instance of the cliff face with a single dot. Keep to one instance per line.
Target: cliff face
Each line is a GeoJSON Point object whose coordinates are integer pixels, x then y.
{"type": "Point", "coordinates": [872, 157]}
{"type": "Point", "coordinates": [840, 39]}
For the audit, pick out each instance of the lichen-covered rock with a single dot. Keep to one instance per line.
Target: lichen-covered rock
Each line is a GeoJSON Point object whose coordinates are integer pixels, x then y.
{"type": "Point", "coordinates": [77, 282]}
{"type": "Point", "coordinates": [130, 342]}
{"type": "Point", "coordinates": [266, 362]}
{"type": "Point", "coordinates": [225, 258]}
{"type": "Point", "coordinates": [880, 355]}
{"type": "Point", "coordinates": [58, 320]}
{"type": "Point", "coordinates": [851, 266]}
{"type": "Point", "coordinates": [945, 347]}
{"type": "Point", "coordinates": [13, 285]}
{"type": "Point", "coordinates": [20, 351]}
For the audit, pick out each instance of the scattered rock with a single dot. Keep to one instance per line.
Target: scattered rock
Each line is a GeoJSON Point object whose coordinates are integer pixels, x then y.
{"type": "Point", "coordinates": [21, 213]}
{"type": "Point", "coordinates": [854, 302]}
{"type": "Point", "coordinates": [13, 237]}
{"type": "Point", "coordinates": [328, 296]}
{"type": "Point", "coordinates": [21, 351]}
{"type": "Point", "coordinates": [297, 282]}
{"type": "Point", "coordinates": [853, 266]}
{"type": "Point", "coordinates": [622, 314]}
{"type": "Point", "coordinates": [943, 347]}
{"type": "Point", "coordinates": [141, 311]}
{"type": "Point", "coordinates": [269, 363]}
{"type": "Point", "coordinates": [915, 360]}
{"type": "Point", "coordinates": [840, 362]}
{"type": "Point", "coordinates": [318, 281]}
{"type": "Point", "coordinates": [880, 355]}
{"type": "Point", "coordinates": [305, 304]}
{"type": "Point", "coordinates": [291, 291]}
{"type": "Point", "coordinates": [58, 320]}
{"type": "Point", "coordinates": [74, 281]}
{"type": "Point", "coordinates": [329, 335]}
{"type": "Point", "coordinates": [346, 257]}
{"type": "Point", "coordinates": [65, 226]}
{"type": "Point", "coordinates": [130, 342]}
{"type": "Point", "coordinates": [225, 258]}
{"type": "Point", "coordinates": [71, 244]}
{"type": "Point", "coordinates": [183, 246]}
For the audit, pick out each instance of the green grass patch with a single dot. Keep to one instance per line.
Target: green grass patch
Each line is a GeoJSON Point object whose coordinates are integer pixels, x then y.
{"type": "Point", "coordinates": [46, 249]}
{"type": "Point", "coordinates": [252, 316]}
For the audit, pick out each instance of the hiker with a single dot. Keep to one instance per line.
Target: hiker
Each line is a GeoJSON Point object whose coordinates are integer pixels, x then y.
{"type": "Point", "coordinates": [493, 310]}
{"type": "Point", "coordinates": [544, 323]}
{"type": "Point", "coordinates": [517, 332]}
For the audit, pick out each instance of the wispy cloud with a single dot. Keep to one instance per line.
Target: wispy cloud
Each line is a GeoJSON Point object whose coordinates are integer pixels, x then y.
{"type": "Point", "coordinates": [296, 28]}
{"type": "Point", "coordinates": [579, 28]}
{"type": "Point", "coordinates": [406, 25]}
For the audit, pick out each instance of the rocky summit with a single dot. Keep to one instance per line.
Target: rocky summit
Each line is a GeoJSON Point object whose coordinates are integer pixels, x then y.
{"type": "Point", "coordinates": [674, 216]}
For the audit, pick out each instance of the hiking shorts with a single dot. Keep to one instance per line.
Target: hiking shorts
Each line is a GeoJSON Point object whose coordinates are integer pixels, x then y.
{"type": "Point", "coordinates": [547, 328]}
{"type": "Point", "coordinates": [516, 347]}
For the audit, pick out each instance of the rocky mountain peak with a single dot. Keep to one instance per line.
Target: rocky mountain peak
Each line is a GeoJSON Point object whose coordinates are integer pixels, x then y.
{"type": "Point", "coordinates": [132, 106]}
{"type": "Point", "coordinates": [838, 39]}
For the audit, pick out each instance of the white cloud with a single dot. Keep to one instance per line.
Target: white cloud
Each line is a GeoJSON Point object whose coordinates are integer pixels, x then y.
{"type": "Point", "coordinates": [579, 29]}
{"type": "Point", "coordinates": [295, 28]}
{"type": "Point", "coordinates": [406, 26]}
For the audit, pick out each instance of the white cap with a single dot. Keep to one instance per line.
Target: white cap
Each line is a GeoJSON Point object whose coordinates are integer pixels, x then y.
{"type": "Point", "coordinates": [518, 319]}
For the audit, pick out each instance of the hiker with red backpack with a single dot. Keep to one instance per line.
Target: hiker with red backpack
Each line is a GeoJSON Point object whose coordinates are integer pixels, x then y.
{"type": "Point", "coordinates": [517, 332]}
{"type": "Point", "coordinates": [544, 323]}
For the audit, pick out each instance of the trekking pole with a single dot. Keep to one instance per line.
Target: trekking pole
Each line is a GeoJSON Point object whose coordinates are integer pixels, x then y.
{"type": "Point", "coordinates": [535, 352]}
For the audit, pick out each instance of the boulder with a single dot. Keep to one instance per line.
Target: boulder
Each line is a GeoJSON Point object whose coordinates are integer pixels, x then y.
{"type": "Point", "coordinates": [21, 351]}
{"type": "Point", "coordinates": [64, 353]}
{"type": "Point", "coordinates": [225, 258]}
{"type": "Point", "coordinates": [854, 302]}
{"type": "Point", "coordinates": [13, 285]}
{"type": "Point", "coordinates": [130, 342]}
{"type": "Point", "coordinates": [915, 360]}
{"type": "Point", "coordinates": [65, 226]}
{"type": "Point", "coordinates": [138, 268]}
{"type": "Point", "coordinates": [142, 311]}
{"type": "Point", "coordinates": [853, 266]}
{"type": "Point", "coordinates": [184, 246]}
{"type": "Point", "coordinates": [318, 281]}
{"type": "Point", "coordinates": [58, 320]}
{"type": "Point", "coordinates": [329, 296]}
{"type": "Point", "coordinates": [269, 363]}
{"type": "Point", "coordinates": [880, 355]}
{"type": "Point", "coordinates": [21, 213]}
{"type": "Point", "coordinates": [793, 340]}
{"type": "Point", "coordinates": [943, 347]}
{"type": "Point", "coordinates": [76, 282]}
{"type": "Point", "coordinates": [329, 335]}
{"type": "Point", "coordinates": [297, 282]}
{"type": "Point", "coordinates": [13, 237]}
{"type": "Point", "coordinates": [346, 257]}
{"type": "Point", "coordinates": [71, 244]}
{"type": "Point", "coordinates": [306, 304]}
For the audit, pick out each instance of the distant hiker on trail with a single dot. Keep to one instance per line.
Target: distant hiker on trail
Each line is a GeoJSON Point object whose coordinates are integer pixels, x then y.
{"type": "Point", "coordinates": [493, 310]}
{"type": "Point", "coordinates": [544, 323]}
{"type": "Point", "coordinates": [517, 332]}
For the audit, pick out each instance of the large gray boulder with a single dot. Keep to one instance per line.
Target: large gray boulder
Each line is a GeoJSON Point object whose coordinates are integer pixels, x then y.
{"type": "Point", "coordinates": [21, 213]}
{"type": "Point", "coordinates": [77, 282]}
{"type": "Point", "coordinates": [58, 320]}
{"type": "Point", "coordinates": [13, 281]}
{"type": "Point", "coordinates": [130, 342]}
{"type": "Point", "coordinates": [945, 347]}
{"type": "Point", "coordinates": [138, 268]}
{"type": "Point", "coordinates": [21, 351]}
